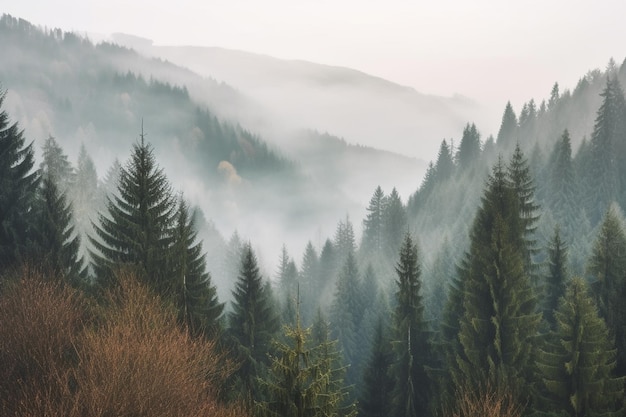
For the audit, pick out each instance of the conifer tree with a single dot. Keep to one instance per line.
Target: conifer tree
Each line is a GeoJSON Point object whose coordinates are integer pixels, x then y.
{"type": "Point", "coordinates": [395, 224]}
{"type": "Point", "coordinates": [376, 395]}
{"type": "Point", "coordinates": [575, 366]}
{"type": "Point", "coordinates": [18, 190]}
{"type": "Point", "coordinates": [607, 267]}
{"type": "Point", "coordinates": [84, 197]}
{"type": "Point", "coordinates": [194, 294]}
{"type": "Point", "coordinates": [444, 167]}
{"type": "Point", "coordinates": [373, 225]}
{"type": "Point", "coordinates": [347, 311]}
{"type": "Point", "coordinates": [309, 288]}
{"type": "Point", "coordinates": [557, 278]}
{"type": "Point", "coordinates": [410, 338]}
{"type": "Point", "coordinates": [302, 381]}
{"type": "Point", "coordinates": [507, 135]}
{"type": "Point", "coordinates": [56, 245]}
{"type": "Point", "coordinates": [603, 177]}
{"type": "Point", "coordinates": [345, 243]}
{"type": "Point", "coordinates": [499, 320]}
{"type": "Point", "coordinates": [521, 181]}
{"type": "Point", "coordinates": [328, 265]}
{"type": "Point", "coordinates": [469, 149]}
{"type": "Point", "coordinates": [253, 323]}
{"type": "Point", "coordinates": [137, 228]}
{"type": "Point", "coordinates": [56, 165]}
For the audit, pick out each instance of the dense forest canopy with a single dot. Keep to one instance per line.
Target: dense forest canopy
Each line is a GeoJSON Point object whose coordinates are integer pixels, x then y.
{"type": "Point", "coordinates": [497, 285]}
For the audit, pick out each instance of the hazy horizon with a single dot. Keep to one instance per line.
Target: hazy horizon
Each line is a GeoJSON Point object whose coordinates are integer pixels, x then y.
{"type": "Point", "coordinates": [490, 52]}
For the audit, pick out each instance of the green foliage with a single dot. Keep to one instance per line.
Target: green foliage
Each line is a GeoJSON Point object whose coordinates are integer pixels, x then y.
{"type": "Point", "coordinates": [253, 323]}
{"type": "Point", "coordinates": [575, 366]}
{"type": "Point", "coordinates": [303, 379]}
{"type": "Point", "coordinates": [410, 337]}
{"type": "Point", "coordinates": [18, 189]}
{"type": "Point", "coordinates": [137, 230]}
{"type": "Point", "coordinates": [194, 294]}
{"type": "Point", "coordinates": [557, 278]}
{"type": "Point", "coordinates": [468, 152]}
{"type": "Point", "coordinates": [375, 399]}
{"type": "Point", "coordinates": [508, 133]}
{"type": "Point", "coordinates": [499, 322]}
{"type": "Point", "coordinates": [607, 267]}
{"type": "Point", "coordinates": [373, 225]}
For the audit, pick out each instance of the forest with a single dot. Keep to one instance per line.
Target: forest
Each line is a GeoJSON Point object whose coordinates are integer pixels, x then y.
{"type": "Point", "coordinates": [495, 289]}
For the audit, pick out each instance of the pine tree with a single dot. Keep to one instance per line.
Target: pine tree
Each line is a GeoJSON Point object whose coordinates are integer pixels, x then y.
{"type": "Point", "coordinates": [345, 243]}
{"type": "Point", "coordinates": [373, 225]}
{"type": "Point", "coordinates": [56, 245]}
{"type": "Point", "coordinates": [346, 312]}
{"type": "Point", "coordinates": [137, 230]}
{"type": "Point", "coordinates": [253, 324]}
{"type": "Point", "coordinates": [376, 394]}
{"type": "Point", "coordinates": [575, 367]}
{"type": "Point", "coordinates": [56, 165]}
{"type": "Point", "coordinates": [84, 197]}
{"type": "Point", "coordinates": [309, 288]}
{"type": "Point", "coordinates": [469, 149]}
{"type": "Point", "coordinates": [287, 282]}
{"type": "Point", "coordinates": [557, 278]}
{"type": "Point", "coordinates": [562, 191]}
{"type": "Point", "coordinates": [607, 267]}
{"type": "Point", "coordinates": [608, 133]}
{"type": "Point", "coordinates": [507, 135]}
{"type": "Point", "coordinates": [395, 218]}
{"type": "Point", "coordinates": [302, 380]}
{"type": "Point", "coordinates": [410, 338]}
{"type": "Point", "coordinates": [521, 181]}
{"type": "Point", "coordinates": [18, 191]}
{"type": "Point", "coordinates": [499, 321]}
{"type": "Point", "coordinates": [444, 167]}
{"type": "Point", "coordinates": [194, 294]}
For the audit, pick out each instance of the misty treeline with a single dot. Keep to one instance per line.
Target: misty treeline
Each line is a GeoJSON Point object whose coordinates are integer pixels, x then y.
{"type": "Point", "coordinates": [496, 289]}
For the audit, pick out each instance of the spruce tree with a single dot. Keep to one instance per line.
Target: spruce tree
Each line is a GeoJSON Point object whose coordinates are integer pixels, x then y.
{"type": "Point", "coordinates": [194, 294]}
{"type": "Point", "coordinates": [557, 278]}
{"type": "Point", "coordinates": [84, 196]}
{"type": "Point", "coordinates": [56, 165]}
{"type": "Point", "coordinates": [444, 167]}
{"type": "Point", "coordinates": [575, 366]}
{"type": "Point", "coordinates": [302, 380]}
{"type": "Point", "coordinates": [507, 135]}
{"type": "Point", "coordinates": [396, 221]}
{"type": "Point", "coordinates": [309, 288]}
{"type": "Point", "coordinates": [469, 149]}
{"type": "Point", "coordinates": [373, 225]}
{"type": "Point", "coordinates": [521, 181]}
{"type": "Point", "coordinates": [499, 320]}
{"type": "Point", "coordinates": [56, 245]}
{"type": "Point", "coordinates": [410, 338]}
{"type": "Point", "coordinates": [18, 191]}
{"type": "Point", "coordinates": [607, 267]}
{"type": "Point", "coordinates": [253, 323]}
{"type": "Point", "coordinates": [137, 228]}
{"type": "Point", "coordinates": [376, 393]}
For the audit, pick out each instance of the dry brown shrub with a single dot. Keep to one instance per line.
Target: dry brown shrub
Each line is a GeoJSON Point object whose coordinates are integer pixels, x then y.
{"type": "Point", "coordinates": [133, 361]}
{"type": "Point", "coordinates": [40, 323]}
{"type": "Point", "coordinates": [140, 363]}
{"type": "Point", "coordinates": [485, 402]}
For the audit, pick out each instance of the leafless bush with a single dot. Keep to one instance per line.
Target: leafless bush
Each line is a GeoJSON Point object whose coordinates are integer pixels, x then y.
{"type": "Point", "coordinates": [485, 402]}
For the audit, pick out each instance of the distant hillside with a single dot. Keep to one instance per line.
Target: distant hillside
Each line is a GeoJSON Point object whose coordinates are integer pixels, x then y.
{"type": "Point", "coordinates": [356, 106]}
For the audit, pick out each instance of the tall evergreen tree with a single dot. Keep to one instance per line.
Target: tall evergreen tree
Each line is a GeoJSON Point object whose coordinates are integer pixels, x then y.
{"type": "Point", "coordinates": [376, 395]}
{"type": "Point", "coordinates": [84, 197]}
{"type": "Point", "coordinates": [253, 323]}
{"type": "Point", "coordinates": [507, 135]}
{"type": "Point", "coordinates": [56, 245]}
{"type": "Point", "coordinates": [345, 241]}
{"type": "Point", "coordinates": [499, 321]}
{"type": "Point", "coordinates": [18, 190]}
{"type": "Point", "coordinates": [469, 149]}
{"type": "Point", "coordinates": [346, 312]}
{"type": "Point", "coordinates": [607, 267]}
{"type": "Point", "coordinates": [609, 131]}
{"type": "Point", "coordinates": [396, 221]}
{"type": "Point", "coordinates": [410, 338]}
{"type": "Point", "coordinates": [56, 165]}
{"type": "Point", "coordinates": [137, 230]}
{"type": "Point", "coordinates": [522, 183]}
{"type": "Point", "coordinates": [557, 278]}
{"type": "Point", "coordinates": [309, 288]}
{"type": "Point", "coordinates": [445, 163]}
{"type": "Point", "coordinates": [575, 367]}
{"type": "Point", "coordinates": [195, 295]}
{"type": "Point", "coordinates": [562, 192]}
{"type": "Point", "coordinates": [302, 380]}
{"type": "Point", "coordinates": [373, 225]}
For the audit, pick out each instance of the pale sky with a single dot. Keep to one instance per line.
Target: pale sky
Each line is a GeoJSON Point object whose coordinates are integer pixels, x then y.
{"type": "Point", "coordinates": [489, 50]}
